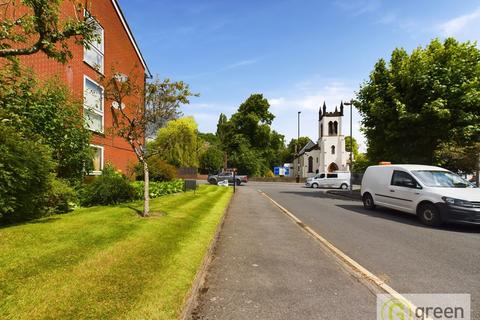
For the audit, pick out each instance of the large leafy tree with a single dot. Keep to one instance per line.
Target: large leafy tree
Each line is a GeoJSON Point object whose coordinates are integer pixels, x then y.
{"type": "Point", "coordinates": [31, 26]}
{"type": "Point", "coordinates": [418, 103]}
{"type": "Point", "coordinates": [177, 143]}
{"type": "Point", "coordinates": [249, 143]}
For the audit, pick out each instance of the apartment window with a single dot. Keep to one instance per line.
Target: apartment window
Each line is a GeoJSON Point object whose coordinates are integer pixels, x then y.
{"type": "Point", "coordinates": [93, 105]}
{"type": "Point", "coordinates": [97, 160]}
{"type": "Point", "coordinates": [94, 55]}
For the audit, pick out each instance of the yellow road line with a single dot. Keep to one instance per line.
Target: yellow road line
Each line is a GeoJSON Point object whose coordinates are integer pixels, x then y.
{"type": "Point", "coordinates": [344, 258]}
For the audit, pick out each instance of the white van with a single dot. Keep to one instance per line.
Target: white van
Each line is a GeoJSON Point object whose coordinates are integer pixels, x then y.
{"type": "Point", "coordinates": [434, 194]}
{"type": "Point", "coordinates": [337, 179]}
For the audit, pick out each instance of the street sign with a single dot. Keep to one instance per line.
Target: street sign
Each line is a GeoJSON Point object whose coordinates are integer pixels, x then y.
{"type": "Point", "coordinates": [276, 171]}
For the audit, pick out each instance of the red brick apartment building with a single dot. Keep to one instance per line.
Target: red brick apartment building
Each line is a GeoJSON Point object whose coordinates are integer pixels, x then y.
{"type": "Point", "coordinates": [118, 50]}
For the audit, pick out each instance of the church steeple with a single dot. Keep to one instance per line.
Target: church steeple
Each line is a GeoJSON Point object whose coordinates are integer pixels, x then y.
{"type": "Point", "coordinates": [324, 108]}
{"type": "Point", "coordinates": [341, 108]}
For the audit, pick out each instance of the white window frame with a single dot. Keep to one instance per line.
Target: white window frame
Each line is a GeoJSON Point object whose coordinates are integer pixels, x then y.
{"type": "Point", "coordinates": [100, 51]}
{"type": "Point", "coordinates": [102, 161]}
{"type": "Point", "coordinates": [102, 100]}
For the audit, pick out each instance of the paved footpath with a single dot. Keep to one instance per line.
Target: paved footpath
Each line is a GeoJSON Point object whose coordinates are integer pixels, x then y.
{"type": "Point", "coordinates": [266, 267]}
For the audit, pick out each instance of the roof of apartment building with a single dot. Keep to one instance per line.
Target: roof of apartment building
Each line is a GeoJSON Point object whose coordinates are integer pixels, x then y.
{"type": "Point", "coordinates": [129, 32]}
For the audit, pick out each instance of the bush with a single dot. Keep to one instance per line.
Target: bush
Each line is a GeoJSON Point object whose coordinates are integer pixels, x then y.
{"type": "Point", "coordinates": [25, 175]}
{"type": "Point", "coordinates": [158, 189]}
{"type": "Point", "coordinates": [61, 198]}
{"type": "Point", "coordinates": [110, 188]}
{"type": "Point", "coordinates": [47, 110]}
{"type": "Point", "coordinates": [159, 170]}
{"type": "Point", "coordinates": [269, 174]}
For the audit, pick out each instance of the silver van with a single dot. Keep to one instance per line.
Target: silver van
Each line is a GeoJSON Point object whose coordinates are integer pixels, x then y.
{"type": "Point", "coordinates": [336, 179]}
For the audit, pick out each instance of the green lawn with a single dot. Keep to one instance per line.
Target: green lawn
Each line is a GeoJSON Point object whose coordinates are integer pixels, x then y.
{"type": "Point", "coordinates": [107, 262]}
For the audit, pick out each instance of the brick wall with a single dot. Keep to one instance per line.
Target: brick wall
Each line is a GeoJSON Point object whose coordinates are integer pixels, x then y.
{"type": "Point", "coordinates": [119, 54]}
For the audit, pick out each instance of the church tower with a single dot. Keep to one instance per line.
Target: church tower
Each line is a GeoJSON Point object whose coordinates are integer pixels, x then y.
{"type": "Point", "coordinates": [331, 140]}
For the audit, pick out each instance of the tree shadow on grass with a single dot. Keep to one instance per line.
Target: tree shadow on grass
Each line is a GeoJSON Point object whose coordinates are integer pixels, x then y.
{"type": "Point", "coordinates": [7, 224]}
{"type": "Point", "coordinates": [139, 212]}
{"type": "Point", "coordinates": [405, 218]}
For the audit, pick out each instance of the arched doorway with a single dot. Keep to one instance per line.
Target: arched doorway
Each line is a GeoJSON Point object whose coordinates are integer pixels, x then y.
{"type": "Point", "coordinates": [310, 164]}
{"type": "Point", "coordinates": [332, 167]}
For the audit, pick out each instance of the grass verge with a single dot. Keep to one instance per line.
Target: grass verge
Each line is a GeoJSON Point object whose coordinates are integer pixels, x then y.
{"type": "Point", "coordinates": [106, 262]}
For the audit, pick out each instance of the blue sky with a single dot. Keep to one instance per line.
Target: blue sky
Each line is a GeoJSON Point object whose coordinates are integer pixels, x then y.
{"type": "Point", "coordinates": [297, 53]}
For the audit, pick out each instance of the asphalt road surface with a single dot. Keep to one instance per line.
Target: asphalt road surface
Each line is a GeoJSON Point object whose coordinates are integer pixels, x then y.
{"type": "Point", "coordinates": [408, 256]}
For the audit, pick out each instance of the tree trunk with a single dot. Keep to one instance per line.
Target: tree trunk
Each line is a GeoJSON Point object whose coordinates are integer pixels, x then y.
{"type": "Point", "coordinates": [146, 190]}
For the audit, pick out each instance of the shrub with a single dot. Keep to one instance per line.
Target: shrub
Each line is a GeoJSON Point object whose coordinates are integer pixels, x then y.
{"type": "Point", "coordinates": [158, 189]}
{"type": "Point", "coordinates": [61, 198]}
{"type": "Point", "coordinates": [110, 188]}
{"type": "Point", "coordinates": [25, 175]}
{"type": "Point", "coordinates": [47, 110]}
{"type": "Point", "coordinates": [269, 174]}
{"type": "Point", "coordinates": [159, 170]}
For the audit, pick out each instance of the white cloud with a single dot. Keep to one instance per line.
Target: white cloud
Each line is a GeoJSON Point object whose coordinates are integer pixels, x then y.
{"type": "Point", "coordinates": [241, 64]}
{"type": "Point", "coordinates": [388, 18]}
{"type": "Point", "coordinates": [358, 7]}
{"type": "Point", "coordinates": [235, 65]}
{"type": "Point", "coordinates": [461, 26]}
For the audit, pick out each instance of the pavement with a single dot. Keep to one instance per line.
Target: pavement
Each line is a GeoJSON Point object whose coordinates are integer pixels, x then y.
{"type": "Point", "coordinates": [267, 267]}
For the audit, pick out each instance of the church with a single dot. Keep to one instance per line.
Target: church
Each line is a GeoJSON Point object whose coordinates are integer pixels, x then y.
{"type": "Point", "coordinates": [328, 154]}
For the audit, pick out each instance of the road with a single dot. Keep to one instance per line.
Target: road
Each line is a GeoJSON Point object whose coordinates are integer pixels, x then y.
{"type": "Point", "coordinates": [410, 257]}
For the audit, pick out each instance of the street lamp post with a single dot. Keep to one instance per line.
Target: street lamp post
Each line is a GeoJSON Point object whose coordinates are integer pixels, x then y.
{"type": "Point", "coordinates": [351, 143]}
{"type": "Point", "coordinates": [296, 146]}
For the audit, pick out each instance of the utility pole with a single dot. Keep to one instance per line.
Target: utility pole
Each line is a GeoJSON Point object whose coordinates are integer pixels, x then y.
{"type": "Point", "coordinates": [296, 147]}
{"type": "Point", "coordinates": [351, 142]}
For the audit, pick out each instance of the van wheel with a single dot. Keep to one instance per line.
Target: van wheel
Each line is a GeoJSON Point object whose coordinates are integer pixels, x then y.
{"type": "Point", "coordinates": [429, 215]}
{"type": "Point", "coordinates": [315, 185]}
{"type": "Point", "coordinates": [368, 201]}
{"type": "Point", "coordinates": [344, 186]}
{"type": "Point", "coordinates": [212, 181]}
{"type": "Point", "coordinates": [238, 182]}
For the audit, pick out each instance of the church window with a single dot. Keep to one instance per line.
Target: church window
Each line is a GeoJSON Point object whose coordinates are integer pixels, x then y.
{"type": "Point", "coordinates": [330, 128]}
{"type": "Point", "coordinates": [335, 128]}
{"type": "Point", "coordinates": [310, 164]}
{"type": "Point", "coordinates": [333, 149]}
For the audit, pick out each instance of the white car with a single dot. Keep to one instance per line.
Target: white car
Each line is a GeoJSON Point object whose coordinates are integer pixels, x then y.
{"type": "Point", "coordinates": [329, 180]}
{"type": "Point", "coordinates": [434, 194]}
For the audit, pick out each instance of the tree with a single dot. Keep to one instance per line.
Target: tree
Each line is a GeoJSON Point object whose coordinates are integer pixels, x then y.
{"type": "Point", "coordinates": [289, 152]}
{"type": "Point", "coordinates": [47, 110]}
{"type": "Point", "coordinates": [247, 139]}
{"type": "Point", "coordinates": [177, 143]}
{"type": "Point", "coordinates": [416, 103]}
{"type": "Point", "coordinates": [131, 118]}
{"type": "Point", "coordinates": [348, 146]}
{"type": "Point", "coordinates": [211, 160]}
{"type": "Point", "coordinates": [31, 26]}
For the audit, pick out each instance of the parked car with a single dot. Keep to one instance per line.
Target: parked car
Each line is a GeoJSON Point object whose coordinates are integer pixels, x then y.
{"type": "Point", "coordinates": [239, 179]}
{"type": "Point", "coordinates": [434, 194]}
{"type": "Point", "coordinates": [336, 179]}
